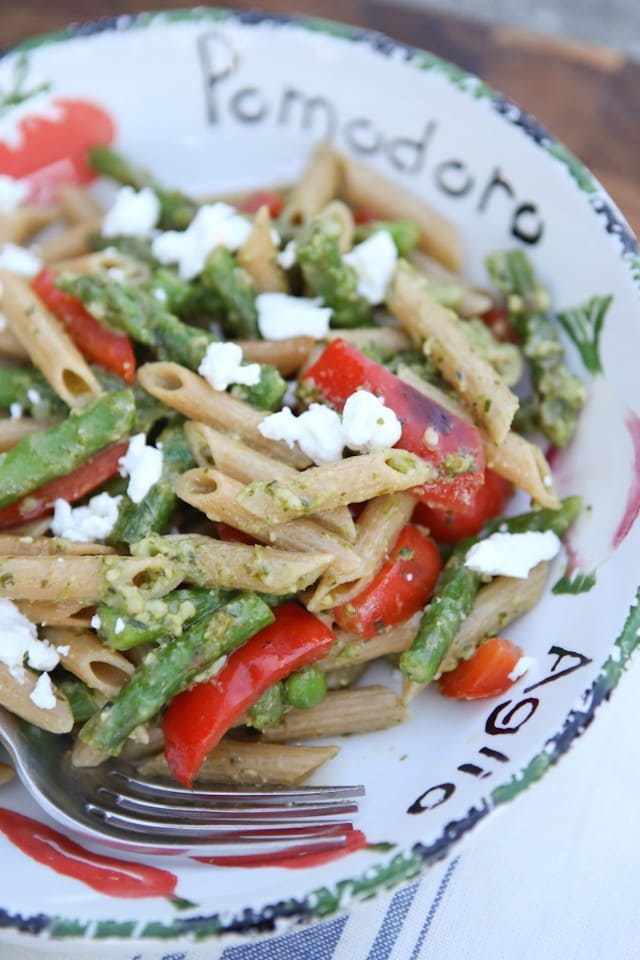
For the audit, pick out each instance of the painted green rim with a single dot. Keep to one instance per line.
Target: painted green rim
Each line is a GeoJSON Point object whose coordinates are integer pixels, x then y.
{"type": "Point", "coordinates": [405, 866]}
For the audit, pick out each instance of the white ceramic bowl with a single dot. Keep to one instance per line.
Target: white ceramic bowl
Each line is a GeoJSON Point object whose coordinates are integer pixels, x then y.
{"type": "Point", "coordinates": [211, 101]}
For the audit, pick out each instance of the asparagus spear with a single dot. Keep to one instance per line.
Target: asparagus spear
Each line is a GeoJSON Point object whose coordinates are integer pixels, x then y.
{"type": "Point", "coordinates": [140, 314]}
{"type": "Point", "coordinates": [138, 248]}
{"type": "Point", "coordinates": [558, 395]}
{"type": "Point", "coordinates": [170, 668]}
{"type": "Point", "coordinates": [165, 618]}
{"type": "Point", "coordinates": [27, 387]}
{"type": "Point", "coordinates": [185, 299]}
{"type": "Point", "coordinates": [336, 282]}
{"type": "Point", "coordinates": [61, 448]}
{"type": "Point", "coordinates": [234, 287]}
{"type": "Point", "coordinates": [177, 210]}
{"type": "Point", "coordinates": [404, 233]}
{"type": "Point", "coordinates": [458, 586]}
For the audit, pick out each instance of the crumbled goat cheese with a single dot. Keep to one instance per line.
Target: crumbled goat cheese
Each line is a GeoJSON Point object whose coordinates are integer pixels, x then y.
{"type": "Point", "coordinates": [134, 213]}
{"type": "Point", "coordinates": [12, 193]}
{"type": "Point", "coordinates": [118, 626]}
{"type": "Point", "coordinates": [96, 621]}
{"type": "Point", "coordinates": [374, 261]}
{"type": "Point", "coordinates": [367, 424]}
{"type": "Point", "coordinates": [287, 257]}
{"type": "Point", "coordinates": [222, 365]}
{"type": "Point", "coordinates": [86, 524]}
{"type": "Point", "coordinates": [15, 410]}
{"type": "Point", "coordinates": [19, 640]}
{"type": "Point", "coordinates": [33, 396]}
{"type": "Point", "coordinates": [281, 316]}
{"type": "Point", "coordinates": [290, 399]}
{"type": "Point", "coordinates": [512, 554]}
{"type": "Point", "coordinates": [522, 666]}
{"type": "Point", "coordinates": [160, 294]}
{"type": "Point", "coordinates": [42, 694]}
{"type": "Point", "coordinates": [143, 465]}
{"type": "Point", "coordinates": [19, 260]}
{"type": "Point", "coordinates": [214, 225]}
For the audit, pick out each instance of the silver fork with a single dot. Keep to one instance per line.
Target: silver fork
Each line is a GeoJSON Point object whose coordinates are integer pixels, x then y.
{"type": "Point", "coordinates": [111, 804]}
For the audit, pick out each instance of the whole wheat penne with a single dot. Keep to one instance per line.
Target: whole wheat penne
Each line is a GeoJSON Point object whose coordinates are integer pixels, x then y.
{"type": "Point", "coordinates": [49, 347]}
{"type": "Point", "coordinates": [83, 655]}
{"type": "Point", "coordinates": [15, 696]}
{"type": "Point", "coordinates": [10, 346]}
{"type": "Point", "coordinates": [360, 710]}
{"type": "Point", "coordinates": [338, 211]}
{"type": "Point", "coordinates": [259, 256]}
{"type": "Point", "coordinates": [243, 463]}
{"type": "Point", "coordinates": [70, 242]}
{"type": "Point", "coordinates": [77, 204]}
{"type": "Point", "coordinates": [318, 185]}
{"type": "Point", "coordinates": [240, 761]}
{"type": "Point", "coordinates": [349, 649]}
{"type": "Point", "coordinates": [352, 480]}
{"type": "Point", "coordinates": [216, 495]}
{"type": "Point", "coordinates": [287, 355]}
{"type": "Point", "coordinates": [379, 525]}
{"type": "Point", "coordinates": [57, 613]}
{"type": "Point", "coordinates": [7, 773]}
{"type": "Point", "coordinates": [129, 581]}
{"type": "Point", "coordinates": [364, 188]}
{"type": "Point", "coordinates": [13, 545]}
{"type": "Point", "coordinates": [236, 566]}
{"type": "Point", "coordinates": [13, 431]}
{"type": "Point", "coordinates": [490, 401]}
{"type": "Point", "coordinates": [451, 289]}
{"type": "Point", "coordinates": [111, 261]}
{"type": "Point", "coordinates": [22, 224]}
{"type": "Point", "coordinates": [191, 395]}
{"type": "Point", "coordinates": [515, 459]}
{"type": "Point", "coordinates": [85, 755]}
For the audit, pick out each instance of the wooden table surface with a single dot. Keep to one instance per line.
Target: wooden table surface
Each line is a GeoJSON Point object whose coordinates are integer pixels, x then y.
{"type": "Point", "coordinates": [587, 96]}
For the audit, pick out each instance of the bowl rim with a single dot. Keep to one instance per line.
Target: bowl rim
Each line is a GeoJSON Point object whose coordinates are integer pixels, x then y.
{"type": "Point", "coordinates": [401, 867]}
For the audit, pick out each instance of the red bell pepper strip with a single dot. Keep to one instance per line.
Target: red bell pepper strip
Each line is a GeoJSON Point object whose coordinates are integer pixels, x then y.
{"type": "Point", "coordinates": [110, 349]}
{"type": "Point", "coordinates": [401, 587]}
{"type": "Point", "coordinates": [487, 502]}
{"type": "Point", "coordinates": [72, 487]}
{"type": "Point", "coordinates": [262, 198]}
{"type": "Point", "coordinates": [451, 444]}
{"type": "Point", "coordinates": [485, 674]}
{"type": "Point", "coordinates": [233, 535]}
{"type": "Point", "coordinates": [497, 319]}
{"type": "Point", "coordinates": [115, 878]}
{"type": "Point", "coordinates": [197, 719]}
{"type": "Point", "coordinates": [293, 859]}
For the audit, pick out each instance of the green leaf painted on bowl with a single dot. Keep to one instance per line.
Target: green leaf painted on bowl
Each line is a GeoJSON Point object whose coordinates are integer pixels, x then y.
{"type": "Point", "coordinates": [578, 583]}
{"type": "Point", "coordinates": [584, 326]}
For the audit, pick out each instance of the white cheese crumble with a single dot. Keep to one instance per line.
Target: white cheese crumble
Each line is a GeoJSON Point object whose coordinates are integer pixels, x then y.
{"type": "Point", "coordinates": [287, 257]}
{"type": "Point", "coordinates": [512, 554]}
{"type": "Point", "coordinates": [374, 261]}
{"type": "Point", "coordinates": [134, 213]}
{"type": "Point", "coordinates": [42, 694]}
{"type": "Point", "coordinates": [222, 365]}
{"type": "Point", "coordinates": [19, 640]}
{"type": "Point", "coordinates": [118, 626]}
{"type": "Point", "coordinates": [15, 410]}
{"type": "Point", "coordinates": [522, 666]}
{"type": "Point", "coordinates": [19, 260]}
{"type": "Point", "coordinates": [12, 193]}
{"type": "Point", "coordinates": [281, 316]}
{"type": "Point", "coordinates": [96, 621]}
{"type": "Point", "coordinates": [214, 225]}
{"type": "Point", "coordinates": [143, 465]}
{"type": "Point", "coordinates": [367, 424]}
{"type": "Point", "coordinates": [85, 524]}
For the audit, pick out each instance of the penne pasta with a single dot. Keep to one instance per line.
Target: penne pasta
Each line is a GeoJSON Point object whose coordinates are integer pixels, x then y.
{"type": "Point", "coordinates": [451, 289]}
{"type": "Point", "coordinates": [70, 242]}
{"type": "Point", "coordinates": [259, 256]}
{"type": "Point", "coordinates": [490, 401]}
{"type": "Point", "coordinates": [10, 347]}
{"type": "Point", "coordinates": [350, 650]}
{"type": "Point", "coordinates": [49, 347]}
{"type": "Point", "coordinates": [83, 655]}
{"type": "Point", "coordinates": [56, 613]}
{"type": "Point", "coordinates": [13, 431]}
{"type": "Point", "coordinates": [20, 225]}
{"type": "Point", "coordinates": [287, 355]}
{"type": "Point", "coordinates": [7, 773]}
{"type": "Point", "coordinates": [15, 696]}
{"type": "Point", "coordinates": [77, 204]}
{"type": "Point", "coordinates": [338, 211]}
{"type": "Point", "coordinates": [13, 545]}
{"type": "Point", "coordinates": [318, 185]}
{"type": "Point", "coordinates": [342, 712]}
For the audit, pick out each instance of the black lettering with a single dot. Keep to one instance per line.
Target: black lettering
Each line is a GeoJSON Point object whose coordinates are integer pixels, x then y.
{"type": "Point", "coordinates": [497, 182]}
{"type": "Point", "coordinates": [561, 654]}
{"type": "Point", "coordinates": [526, 224]}
{"type": "Point", "coordinates": [513, 719]}
{"type": "Point", "coordinates": [442, 793]}
{"type": "Point", "coordinates": [309, 108]}
{"type": "Point", "coordinates": [407, 154]}
{"type": "Point", "coordinates": [474, 770]}
{"type": "Point", "coordinates": [453, 177]}
{"type": "Point", "coordinates": [362, 136]}
{"type": "Point", "coordinates": [248, 105]}
{"type": "Point", "coordinates": [218, 59]}
{"type": "Point", "coordinates": [494, 754]}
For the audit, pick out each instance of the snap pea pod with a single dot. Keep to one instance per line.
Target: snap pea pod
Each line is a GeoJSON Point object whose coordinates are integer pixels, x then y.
{"type": "Point", "coordinates": [177, 210]}
{"type": "Point", "coordinates": [306, 688]}
{"type": "Point", "coordinates": [328, 276]}
{"type": "Point", "coordinates": [27, 387]}
{"type": "Point", "coordinates": [164, 618]}
{"type": "Point", "coordinates": [59, 449]}
{"type": "Point", "coordinates": [234, 287]}
{"type": "Point", "coordinates": [558, 395]}
{"type": "Point", "coordinates": [139, 314]}
{"type": "Point", "coordinates": [170, 668]}
{"type": "Point", "coordinates": [151, 515]}
{"type": "Point", "coordinates": [268, 708]}
{"type": "Point", "coordinates": [404, 233]}
{"type": "Point", "coordinates": [458, 586]}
